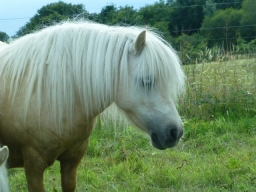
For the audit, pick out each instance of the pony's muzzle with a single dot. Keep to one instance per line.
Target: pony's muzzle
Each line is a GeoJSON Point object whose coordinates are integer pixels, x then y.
{"type": "Point", "coordinates": [167, 138]}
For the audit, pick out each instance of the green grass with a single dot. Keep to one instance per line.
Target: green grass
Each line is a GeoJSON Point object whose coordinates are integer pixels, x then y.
{"type": "Point", "coordinates": [226, 89]}
{"type": "Point", "coordinates": [213, 156]}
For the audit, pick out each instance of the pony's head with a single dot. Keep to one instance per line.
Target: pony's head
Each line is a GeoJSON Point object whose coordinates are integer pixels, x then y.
{"type": "Point", "coordinates": [148, 89]}
{"type": "Point", "coordinates": [84, 67]}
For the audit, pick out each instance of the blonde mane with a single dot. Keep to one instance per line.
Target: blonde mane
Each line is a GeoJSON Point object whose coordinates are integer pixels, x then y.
{"type": "Point", "coordinates": [79, 64]}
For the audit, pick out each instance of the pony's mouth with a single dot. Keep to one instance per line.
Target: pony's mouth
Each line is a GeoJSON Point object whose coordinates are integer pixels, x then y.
{"type": "Point", "coordinates": [156, 143]}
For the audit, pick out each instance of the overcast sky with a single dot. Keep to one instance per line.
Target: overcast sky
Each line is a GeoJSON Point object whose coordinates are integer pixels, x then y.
{"type": "Point", "coordinates": [16, 13]}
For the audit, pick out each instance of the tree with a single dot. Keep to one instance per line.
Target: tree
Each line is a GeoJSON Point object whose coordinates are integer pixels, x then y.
{"type": "Point", "coordinates": [209, 8]}
{"type": "Point", "coordinates": [157, 16]}
{"type": "Point", "coordinates": [107, 14]}
{"type": "Point", "coordinates": [186, 16]}
{"type": "Point", "coordinates": [225, 4]}
{"type": "Point", "coordinates": [170, 2]}
{"type": "Point", "coordinates": [112, 15]}
{"type": "Point", "coordinates": [127, 15]}
{"type": "Point", "coordinates": [223, 26]}
{"type": "Point", "coordinates": [189, 46]}
{"type": "Point", "coordinates": [49, 14]}
{"type": "Point", "coordinates": [158, 12]}
{"type": "Point", "coordinates": [248, 24]}
{"type": "Point", "coordinates": [4, 37]}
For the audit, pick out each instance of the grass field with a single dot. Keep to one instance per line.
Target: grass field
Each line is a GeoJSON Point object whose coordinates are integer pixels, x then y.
{"type": "Point", "coordinates": [213, 156]}
{"type": "Point", "coordinates": [225, 89]}
{"type": "Point", "coordinates": [217, 152]}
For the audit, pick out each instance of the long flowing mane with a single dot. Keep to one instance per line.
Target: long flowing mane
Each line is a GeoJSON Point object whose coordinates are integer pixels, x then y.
{"type": "Point", "coordinates": [79, 64]}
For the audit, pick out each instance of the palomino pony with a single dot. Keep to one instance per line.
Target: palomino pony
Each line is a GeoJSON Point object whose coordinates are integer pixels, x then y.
{"type": "Point", "coordinates": [55, 82]}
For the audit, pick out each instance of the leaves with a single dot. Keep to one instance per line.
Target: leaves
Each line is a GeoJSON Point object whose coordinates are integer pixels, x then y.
{"type": "Point", "coordinates": [3, 37]}
{"type": "Point", "coordinates": [190, 26]}
{"type": "Point", "coordinates": [51, 13]}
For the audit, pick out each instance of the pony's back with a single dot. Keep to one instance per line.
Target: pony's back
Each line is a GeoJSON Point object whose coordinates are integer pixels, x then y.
{"type": "Point", "coordinates": [4, 185]}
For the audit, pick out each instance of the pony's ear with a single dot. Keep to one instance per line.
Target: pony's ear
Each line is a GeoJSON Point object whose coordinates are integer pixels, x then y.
{"type": "Point", "coordinates": [4, 153]}
{"type": "Point", "coordinates": [139, 42]}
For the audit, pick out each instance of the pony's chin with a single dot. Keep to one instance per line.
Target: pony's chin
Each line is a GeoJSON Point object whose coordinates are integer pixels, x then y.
{"type": "Point", "coordinates": [156, 143]}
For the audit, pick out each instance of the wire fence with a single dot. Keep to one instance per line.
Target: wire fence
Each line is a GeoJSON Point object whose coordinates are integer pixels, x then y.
{"type": "Point", "coordinates": [216, 90]}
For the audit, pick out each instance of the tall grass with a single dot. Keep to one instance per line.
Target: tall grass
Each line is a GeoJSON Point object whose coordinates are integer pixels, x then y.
{"type": "Point", "coordinates": [226, 89]}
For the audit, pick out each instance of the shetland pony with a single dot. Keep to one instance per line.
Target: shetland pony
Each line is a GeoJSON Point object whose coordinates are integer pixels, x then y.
{"type": "Point", "coordinates": [55, 82]}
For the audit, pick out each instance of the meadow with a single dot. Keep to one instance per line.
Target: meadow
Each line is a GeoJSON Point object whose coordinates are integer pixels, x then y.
{"type": "Point", "coordinates": [217, 152]}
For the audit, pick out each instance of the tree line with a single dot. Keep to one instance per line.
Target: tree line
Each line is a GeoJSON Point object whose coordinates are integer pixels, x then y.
{"type": "Point", "coordinates": [188, 25]}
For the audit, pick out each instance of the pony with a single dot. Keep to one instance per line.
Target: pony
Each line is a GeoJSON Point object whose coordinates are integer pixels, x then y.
{"type": "Point", "coordinates": [4, 153]}
{"type": "Point", "coordinates": [56, 81]}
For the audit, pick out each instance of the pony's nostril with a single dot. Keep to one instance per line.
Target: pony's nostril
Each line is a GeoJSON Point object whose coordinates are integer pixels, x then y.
{"type": "Point", "coordinates": [174, 133]}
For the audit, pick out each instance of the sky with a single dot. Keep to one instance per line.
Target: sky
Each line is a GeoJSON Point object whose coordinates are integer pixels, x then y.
{"type": "Point", "coordinates": [16, 13]}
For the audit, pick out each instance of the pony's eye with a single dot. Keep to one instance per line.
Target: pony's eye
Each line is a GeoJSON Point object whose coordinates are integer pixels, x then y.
{"type": "Point", "coordinates": [147, 83]}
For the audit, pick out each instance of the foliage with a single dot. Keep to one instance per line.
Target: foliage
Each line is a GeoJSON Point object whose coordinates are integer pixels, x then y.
{"type": "Point", "coordinates": [107, 14]}
{"type": "Point", "coordinates": [127, 15]}
{"type": "Point", "coordinates": [244, 47]}
{"type": "Point", "coordinates": [152, 14]}
{"type": "Point", "coordinates": [189, 46]}
{"type": "Point", "coordinates": [220, 89]}
{"type": "Point", "coordinates": [209, 8]}
{"type": "Point", "coordinates": [204, 23]}
{"type": "Point", "coordinates": [248, 31]}
{"type": "Point", "coordinates": [112, 15]}
{"type": "Point", "coordinates": [224, 23]}
{"type": "Point", "coordinates": [186, 17]}
{"type": "Point", "coordinates": [51, 13]}
{"type": "Point", "coordinates": [4, 37]}
{"type": "Point", "coordinates": [225, 4]}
